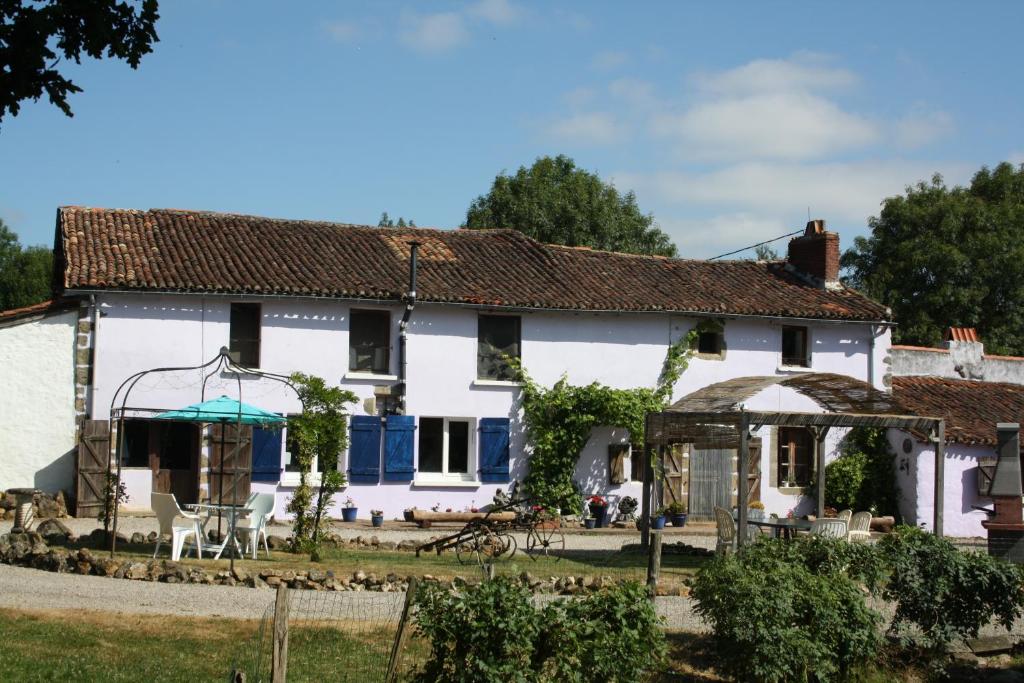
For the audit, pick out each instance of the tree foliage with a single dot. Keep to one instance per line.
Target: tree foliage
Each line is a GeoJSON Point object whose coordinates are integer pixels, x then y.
{"type": "Point", "coordinates": [35, 36]}
{"type": "Point", "coordinates": [941, 256]}
{"type": "Point", "coordinates": [318, 432]}
{"type": "Point", "coordinates": [26, 273]}
{"type": "Point", "coordinates": [555, 202]}
{"type": "Point", "coordinates": [863, 477]}
{"type": "Point", "coordinates": [558, 422]}
{"type": "Point", "coordinates": [387, 221]}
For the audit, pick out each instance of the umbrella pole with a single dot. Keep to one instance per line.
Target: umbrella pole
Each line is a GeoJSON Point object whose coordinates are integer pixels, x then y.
{"type": "Point", "coordinates": [220, 487]}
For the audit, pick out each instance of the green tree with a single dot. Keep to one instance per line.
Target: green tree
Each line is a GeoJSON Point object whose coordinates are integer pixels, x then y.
{"type": "Point", "coordinates": [25, 273]}
{"type": "Point", "coordinates": [30, 31]}
{"type": "Point", "coordinates": [764, 252]}
{"type": "Point", "coordinates": [940, 256]}
{"type": "Point", "coordinates": [555, 202]}
{"type": "Point", "coordinates": [387, 221]}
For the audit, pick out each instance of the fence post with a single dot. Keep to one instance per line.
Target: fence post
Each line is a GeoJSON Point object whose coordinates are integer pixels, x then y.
{"type": "Point", "coordinates": [654, 562]}
{"type": "Point", "coordinates": [279, 670]}
{"type": "Point", "coordinates": [403, 630]}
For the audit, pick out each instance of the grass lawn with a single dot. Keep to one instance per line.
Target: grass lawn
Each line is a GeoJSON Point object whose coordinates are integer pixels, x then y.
{"type": "Point", "coordinates": [616, 564]}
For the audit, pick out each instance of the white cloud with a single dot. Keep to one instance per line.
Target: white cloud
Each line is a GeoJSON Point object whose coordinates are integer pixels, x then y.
{"type": "Point", "coordinates": [495, 11]}
{"type": "Point", "coordinates": [609, 59]}
{"type": "Point", "coordinates": [1015, 158]}
{"type": "Point", "coordinates": [595, 128]}
{"type": "Point", "coordinates": [432, 33]}
{"type": "Point", "coordinates": [802, 72]}
{"type": "Point", "coordinates": [633, 91]}
{"type": "Point", "coordinates": [780, 125]}
{"type": "Point", "coordinates": [922, 127]}
{"type": "Point", "coordinates": [707, 237]}
{"type": "Point", "coordinates": [579, 97]}
{"type": "Point", "coordinates": [342, 31]}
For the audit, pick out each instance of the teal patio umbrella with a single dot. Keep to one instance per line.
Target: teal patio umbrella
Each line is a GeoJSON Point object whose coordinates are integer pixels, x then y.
{"type": "Point", "coordinates": [224, 410]}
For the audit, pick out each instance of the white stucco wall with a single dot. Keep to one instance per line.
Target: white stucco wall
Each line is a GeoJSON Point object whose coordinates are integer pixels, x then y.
{"type": "Point", "coordinates": [137, 332]}
{"type": "Point", "coordinates": [37, 373]}
{"type": "Point", "coordinates": [916, 478]}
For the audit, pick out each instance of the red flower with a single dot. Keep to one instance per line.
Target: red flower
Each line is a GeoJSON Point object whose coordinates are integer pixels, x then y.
{"type": "Point", "coordinates": [598, 501]}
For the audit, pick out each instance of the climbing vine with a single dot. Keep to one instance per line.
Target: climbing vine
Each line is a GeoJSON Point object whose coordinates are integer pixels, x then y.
{"type": "Point", "coordinates": [558, 422]}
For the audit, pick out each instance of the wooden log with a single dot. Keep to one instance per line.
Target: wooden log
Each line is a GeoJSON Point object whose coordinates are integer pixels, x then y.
{"type": "Point", "coordinates": [404, 628]}
{"type": "Point", "coordinates": [654, 562]}
{"type": "Point", "coordinates": [431, 516]}
{"type": "Point", "coordinates": [279, 663]}
{"type": "Point", "coordinates": [883, 524]}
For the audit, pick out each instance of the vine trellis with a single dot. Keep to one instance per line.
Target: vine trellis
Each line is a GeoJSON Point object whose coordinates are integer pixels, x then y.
{"type": "Point", "coordinates": [558, 422]}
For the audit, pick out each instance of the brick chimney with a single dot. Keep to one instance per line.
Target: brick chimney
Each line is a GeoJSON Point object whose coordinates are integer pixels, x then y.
{"type": "Point", "coordinates": [816, 254]}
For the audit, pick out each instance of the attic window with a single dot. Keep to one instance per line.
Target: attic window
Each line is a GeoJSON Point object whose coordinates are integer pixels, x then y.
{"type": "Point", "coordinates": [710, 341]}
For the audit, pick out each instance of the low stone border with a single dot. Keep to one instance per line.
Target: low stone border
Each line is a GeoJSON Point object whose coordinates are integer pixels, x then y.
{"type": "Point", "coordinates": [33, 549]}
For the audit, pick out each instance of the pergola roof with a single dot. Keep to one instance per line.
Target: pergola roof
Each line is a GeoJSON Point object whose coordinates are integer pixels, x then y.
{"type": "Point", "coordinates": [847, 402]}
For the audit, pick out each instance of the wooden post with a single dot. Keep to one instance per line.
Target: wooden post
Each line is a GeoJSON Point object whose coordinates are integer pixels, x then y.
{"type": "Point", "coordinates": [403, 630]}
{"type": "Point", "coordinates": [742, 483]}
{"type": "Point", "coordinates": [654, 562]}
{"type": "Point", "coordinates": [940, 475]}
{"type": "Point", "coordinates": [645, 498]}
{"type": "Point", "coordinates": [819, 462]}
{"type": "Point", "coordinates": [279, 670]}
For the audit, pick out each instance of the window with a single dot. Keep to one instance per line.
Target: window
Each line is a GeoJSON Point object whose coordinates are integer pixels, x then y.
{"type": "Point", "coordinates": [710, 341]}
{"type": "Point", "coordinates": [244, 345]}
{"type": "Point", "coordinates": [369, 342]}
{"type": "Point", "coordinates": [291, 461]}
{"type": "Point", "coordinates": [794, 346]}
{"type": "Point", "coordinates": [445, 448]}
{"type": "Point", "coordinates": [795, 456]}
{"type": "Point", "coordinates": [497, 341]}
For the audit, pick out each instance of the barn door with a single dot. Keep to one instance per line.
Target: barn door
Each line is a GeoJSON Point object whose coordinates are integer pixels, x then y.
{"type": "Point", "coordinates": [91, 467]}
{"type": "Point", "coordinates": [710, 481]}
{"type": "Point", "coordinates": [174, 459]}
{"type": "Point", "coordinates": [237, 470]}
{"type": "Point", "coordinates": [754, 470]}
{"type": "Point", "coordinates": [674, 469]}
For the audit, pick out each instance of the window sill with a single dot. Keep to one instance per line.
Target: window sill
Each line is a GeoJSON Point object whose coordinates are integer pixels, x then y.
{"type": "Point", "coordinates": [793, 490]}
{"type": "Point", "coordinates": [794, 368]}
{"type": "Point", "coordinates": [709, 356]}
{"type": "Point", "coordinates": [434, 482]}
{"type": "Point", "coordinates": [370, 376]}
{"type": "Point", "coordinates": [496, 383]}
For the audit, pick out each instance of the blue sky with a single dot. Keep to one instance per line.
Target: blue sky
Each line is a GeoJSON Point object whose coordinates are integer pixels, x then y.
{"type": "Point", "coordinates": [729, 120]}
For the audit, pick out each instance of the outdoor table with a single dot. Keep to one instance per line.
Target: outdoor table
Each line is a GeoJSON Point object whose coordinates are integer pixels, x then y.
{"type": "Point", "coordinates": [23, 499]}
{"type": "Point", "coordinates": [232, 512]}
{"type": "Point", "coordinates": [786, 527]}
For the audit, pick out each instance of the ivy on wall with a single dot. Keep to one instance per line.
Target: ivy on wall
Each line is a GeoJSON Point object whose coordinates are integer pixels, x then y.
{"type": "Point", "coordinates": [558, 422]}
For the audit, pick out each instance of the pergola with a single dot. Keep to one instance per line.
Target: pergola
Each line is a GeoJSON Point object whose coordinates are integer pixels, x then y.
{"type": "Point", "coordinates": [717, 412]}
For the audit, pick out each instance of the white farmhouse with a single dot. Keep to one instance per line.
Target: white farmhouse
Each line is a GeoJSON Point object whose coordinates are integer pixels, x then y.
{"type": "Point", "coordinates": [169, 288]}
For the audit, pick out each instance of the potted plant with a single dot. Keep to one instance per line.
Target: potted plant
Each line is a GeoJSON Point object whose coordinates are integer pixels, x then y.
{"type": "Point", "coordinates": [677, 513]}
{"type": "Point", "coordinates": [755, 510]}
{"type": "Point", "coordinates": [658, 519]}
{"type": "Point", "coordinates": [349, 510]}
{"type": "Point", "coordinates": [589, 521]}
{"type": "Point", "coordinates": [599, 509]}
{"type": "Point", "coordinates": [546, 519]}
{"type": "Point", "coordinates": [377, 517]}
{"type": "Point", "coordinates": [408, 513]}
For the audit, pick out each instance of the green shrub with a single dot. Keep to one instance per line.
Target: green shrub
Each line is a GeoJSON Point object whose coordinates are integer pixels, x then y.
{"type": "Point", "coordinates": [492, 632]}
{"type": "Point", "coordinates": [612, 635]}
{"type": "Point", "coordinates": [863, 477]}
{"type": "Point", "coordinates": [943, 593]}
{"type": "Point", "coordinates": [776, 619]}
{"type": "Point", "coordinates": [484, 633]}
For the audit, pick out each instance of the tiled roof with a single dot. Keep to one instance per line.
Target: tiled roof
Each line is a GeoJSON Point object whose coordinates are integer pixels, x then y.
{"type": "Point", "coordinates": [42, 308]}
{"type": "Point", "coordinates": [971, 408]}
{"type": "Point", "coordinates": [962, 334]}
{"type": "Point", "coordinates": [193, 251]}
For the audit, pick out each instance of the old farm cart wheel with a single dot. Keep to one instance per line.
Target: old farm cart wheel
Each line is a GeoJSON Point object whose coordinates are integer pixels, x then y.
{"type": "Point", "coordinates": [545, 539]}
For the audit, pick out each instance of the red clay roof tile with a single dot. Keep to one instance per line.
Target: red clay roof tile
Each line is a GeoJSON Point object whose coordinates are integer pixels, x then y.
{"type": "Point", "coordinates": [971, 408]}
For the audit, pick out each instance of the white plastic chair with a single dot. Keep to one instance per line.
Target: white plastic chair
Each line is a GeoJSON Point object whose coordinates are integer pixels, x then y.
{"type": "Point", "coordinates": [167, 513]}
{"type": "Point", "coordinates": [726, 531]}
{"type": "Point", "coordinates": [829, 528]}
{"type": "Point", "coordinates": [253, 527]}
{"type": "Point", "coordinates": [860, 527]}
{"type": "Point", "coordinates": [845, 515]}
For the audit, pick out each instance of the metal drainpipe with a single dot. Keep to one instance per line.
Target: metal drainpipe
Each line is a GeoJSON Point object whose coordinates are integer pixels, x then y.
{"type": "Point", "coordinates": [403, 327]}
{"type": "Point", "coordinates": [93, 347]}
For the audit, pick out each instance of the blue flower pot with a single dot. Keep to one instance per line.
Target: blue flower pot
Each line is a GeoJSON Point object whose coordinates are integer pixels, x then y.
{"type": "Point", "coordinates": [679, 520]}
{"type": "Point", "coordinates": [349, 514]}
{"type": "Point", "coordinates": [590, 522]}
{"type": "Point", "coordinates": [600, 513]}
{"type": "Point", "coordinates": [658, 522]}
{"type": "Point", "coordinates": [378, 520]}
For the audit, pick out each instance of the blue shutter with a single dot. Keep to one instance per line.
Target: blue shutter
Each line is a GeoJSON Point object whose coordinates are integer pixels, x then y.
{"type": "Point", "coordinates": [494, 449]}
{"type": "Point", "coordinates": [364, 450]}
{"type": "Point", "coordinates": [266, 454]}
{"type": "Point", "coordinates": [398, 439]}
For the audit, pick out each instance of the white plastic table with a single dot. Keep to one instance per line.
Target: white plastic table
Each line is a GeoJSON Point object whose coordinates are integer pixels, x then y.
{"type": "Point", "coordinates": [232, 512]}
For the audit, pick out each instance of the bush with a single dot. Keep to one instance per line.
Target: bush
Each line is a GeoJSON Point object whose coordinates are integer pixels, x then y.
{"type": "Point", "coordinates": [943, 593]}
{"type": "Point", "coordinates": [777, 619]}
{"type": "Point", "coordinates": [863, 477]}
{"type": "Point", "coordinates": [612, 635]}
{"type": "Point", "coordinates": [492, 632]}
{"type": "Point", "coordinates": [485, 633]}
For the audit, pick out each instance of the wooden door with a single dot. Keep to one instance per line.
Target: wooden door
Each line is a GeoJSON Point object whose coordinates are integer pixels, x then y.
{"type": "Point", "coordinates": [174, 459]}
{"type": "Point", "coordinates": [674, 469]}
{"type": "Point", "coordinates": [754, 470]}
{"type": "Point", "coordinates": [235, 477]}
{"type": "Point", "coordinates": [711, 473]}
{"type": "Point", "coordinates": [91, 467]}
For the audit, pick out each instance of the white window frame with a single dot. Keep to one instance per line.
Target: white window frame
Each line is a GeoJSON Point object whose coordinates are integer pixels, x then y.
{"type": "Point", "coordinates": [443, 477]}
{"type": "Point", "coordinates": [289, 478]}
